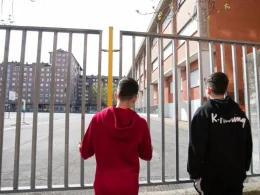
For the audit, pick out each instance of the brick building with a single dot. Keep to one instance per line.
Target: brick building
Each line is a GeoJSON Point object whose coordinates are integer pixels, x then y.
{"type": "Point", "coordinates": [238, 23]}
{"type": "Point", "coordinates": [91, 98]}
{"type": "Point", "coordinates": [61, 70]}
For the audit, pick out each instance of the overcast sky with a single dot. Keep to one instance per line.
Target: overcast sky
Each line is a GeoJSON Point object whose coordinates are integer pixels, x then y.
{"type": "Point", "coordinates": [86, 14]}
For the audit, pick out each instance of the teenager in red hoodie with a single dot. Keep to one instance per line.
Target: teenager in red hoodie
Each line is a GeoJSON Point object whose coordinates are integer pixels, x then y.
{"type": "Point", "coordinates": [118, 136]}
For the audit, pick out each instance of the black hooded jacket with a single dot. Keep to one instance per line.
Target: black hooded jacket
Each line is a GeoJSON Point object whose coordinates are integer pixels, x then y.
{"type": "Point", "coordinates": [220, 145]}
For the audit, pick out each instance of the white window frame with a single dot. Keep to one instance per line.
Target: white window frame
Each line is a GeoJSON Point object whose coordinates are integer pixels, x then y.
{"type": "Point", "coordinates": [188, 30]}
{"type": "Point", "coordinates": [167, 51]}
{"type": "Point", "coordinates": [155, 62]}
{"type": "Point", "coordinates": [167, 20]}
{"type": "Point", "coordinates": [194, 78]}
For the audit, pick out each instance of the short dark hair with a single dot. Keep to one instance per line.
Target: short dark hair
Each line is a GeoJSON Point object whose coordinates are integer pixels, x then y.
{"type": "Point", "coordinates": [217, 82]}
{"type": "Point", "coordinates": [127, 88]}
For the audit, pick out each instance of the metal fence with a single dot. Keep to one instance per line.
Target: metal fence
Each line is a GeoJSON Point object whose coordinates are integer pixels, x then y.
{"type": "Point", "coordinates": [216, 48]}
{"type": "Point", "coordinates": [40, 31]}
{"type": "Point", "coordinates": [201, 42]}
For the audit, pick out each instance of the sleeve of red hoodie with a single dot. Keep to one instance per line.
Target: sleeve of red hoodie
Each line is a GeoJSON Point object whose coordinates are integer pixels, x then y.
{"type": "Point", "coordinates": [145, 148]}
{"type": "Point", "coordinates": [87, 147]}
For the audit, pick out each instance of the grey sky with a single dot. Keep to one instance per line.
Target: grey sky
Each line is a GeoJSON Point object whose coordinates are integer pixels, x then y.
{"type": "Point", "coordinates": [77, 14]}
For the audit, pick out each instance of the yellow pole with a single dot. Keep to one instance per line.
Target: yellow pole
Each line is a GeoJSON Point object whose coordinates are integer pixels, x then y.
{"type": "Point", "coordinates": [110, 68]}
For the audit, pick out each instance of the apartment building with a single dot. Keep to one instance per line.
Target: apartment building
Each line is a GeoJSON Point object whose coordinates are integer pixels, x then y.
{"type": "Point", "coordinates": [91, 98]}
{"type": "Point", "coordinates": [237, 23]}
{"type": "Point", "coordinates": [61, 70]}
{"type": "Point", "coordinates": [60, 83]}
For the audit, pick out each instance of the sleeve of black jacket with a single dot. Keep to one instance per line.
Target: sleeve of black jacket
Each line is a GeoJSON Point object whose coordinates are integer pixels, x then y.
{"type": "Point", "coordinates": [198, 142]}
{"type": "Point", "coordinates": [249, 145]}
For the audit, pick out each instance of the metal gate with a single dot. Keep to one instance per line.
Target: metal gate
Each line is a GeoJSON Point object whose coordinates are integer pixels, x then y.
{"type": "Point", "coordinates": [194, 50]}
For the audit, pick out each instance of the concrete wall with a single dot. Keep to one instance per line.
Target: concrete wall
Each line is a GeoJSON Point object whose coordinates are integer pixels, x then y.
{"type": "Point", "coordinates": [253, 106]}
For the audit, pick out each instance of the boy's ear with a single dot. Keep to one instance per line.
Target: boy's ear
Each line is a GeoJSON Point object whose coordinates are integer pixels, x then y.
{"type": "Point", "coordinates": [134, 99]}
{"type": "Point", "coordinates": [115, 95]}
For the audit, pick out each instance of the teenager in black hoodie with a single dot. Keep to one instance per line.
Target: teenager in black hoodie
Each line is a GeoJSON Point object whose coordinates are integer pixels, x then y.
{"type": "Point", "coordinates": [220, 145]}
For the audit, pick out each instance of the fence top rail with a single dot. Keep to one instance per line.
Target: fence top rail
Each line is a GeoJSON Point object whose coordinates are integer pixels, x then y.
{"type": "Point", "coordinates": [178, 37]}
{"type": "Point", "coordinates": [50, 29]}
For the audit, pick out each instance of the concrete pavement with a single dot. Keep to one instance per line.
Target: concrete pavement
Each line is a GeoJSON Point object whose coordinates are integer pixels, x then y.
{"type": "Point", "coordinates": [74, 159]}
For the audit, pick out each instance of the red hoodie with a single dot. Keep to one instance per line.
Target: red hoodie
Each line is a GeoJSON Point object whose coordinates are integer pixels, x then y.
{"type": "Point", "coordinates": [117, 137]}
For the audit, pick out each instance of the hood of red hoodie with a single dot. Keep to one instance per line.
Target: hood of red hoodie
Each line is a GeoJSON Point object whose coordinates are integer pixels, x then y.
{"type": "Point", "coordinates": [120, 123]}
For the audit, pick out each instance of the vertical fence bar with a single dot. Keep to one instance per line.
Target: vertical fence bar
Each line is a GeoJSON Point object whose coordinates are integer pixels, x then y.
{"type": "Point", "coordinates": [148, 91]}
{"type": "Point", "coordinates": [133, 57]}
{"type": "Point", "coordinates": [133, 62]}
{"type": "Point", "coordinates": [222, 52]}
{"type": "Point", "coordinates": [176, 105]}
{"type": "Point", "coordinates": [51, 116]}
{"type": "Point", "coordinates": [257, 90]}
{"type": "Point", "coordinates": [234, 63]}
{"type": "Point", "coordinates": [120, 55]}
{"type": "Point", "coordinates": [18, 114]}
{"type": "Point", "coordinates": [2, 98]}
{"type": "Point", "coordinates": [246, 92]}
{"type": "Point", "coordinates": [200, 72]}
{"type": "Point", "coordinates": [161, 88]}
{"type": "Point", "coordinates": [67, 122]}
{"type": "Point", "coordinates": [35, 110]}
{"type": "Point", "coordinates": [188, 80]}
{"type": "Point", "coordinates": [99, 72]}
{"type": "Point", "coordinates": [211, 58]}
{"type": "Point", "coordinates": [83, 105]}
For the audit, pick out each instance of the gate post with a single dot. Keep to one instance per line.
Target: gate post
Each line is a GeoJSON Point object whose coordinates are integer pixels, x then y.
{"type": "Point", "coordinates": [110, 68]}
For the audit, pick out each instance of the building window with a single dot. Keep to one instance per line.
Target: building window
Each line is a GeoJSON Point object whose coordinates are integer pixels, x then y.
{"type": "Point", "coordinates": [41, 90]}
{"type": "Point", "coordinates": [28, 100]}
{"type": "Point", "coordinates": [14, 69]}
{"type": "Point", "coordinates": [25, 74]}
{"type": "Point", "coordinates": [29, 84]}
{"type": "Point", "coordinates": [41, 100]}
{"type": "Point", "coordinates": [167, 51]}
{"type": "Point", "coordinates": [24, 84]}
{"type": "Point", "coordinates": [13, 84]}
{"type": "Point", "coordinates": [58, 79]}
{"type": "Point", "coordinates": [41, 84]}
{"type": "Point", "coordinates": [42, 69]}
{"type": "Point", "coordinates": [171, 87]}
{"type": "Point", "coordinates": [57, 95]}
{"type": "Point", "coordinates": [42, 74]}
{"type": "Point", "coordinates": [48, 70]}
{"type": "Point", "coordinates": [62, 70]}
{"type": "Point", "coordinates": [47, 85]}
{"type": "Point", "coordinates": [188, 30]}
{"type": "Point", "coordinates": [167, 20]}
{"type": "Point", "coordinates": [58, 75]}
{"type": "Point", "coordinates": [46, 90]}
{"type": "Point", "coordinates": [14, 73]}
{"type": "Point", "coordinates": [42, 80]}
{"type": "Point", "coordinates": [155, 64]}
{"type": "Point", "coordinates": [25, 69]}
{"type": "Point", "coordinates": [194, 78]}
{"type": "Point", "coordinates": [29, 89]}
{"type": "Point", "coordinates": [14, 79]}
{"type": "Point", "coordinates": [30, 74]}
{"type": "Point", "coordinates": [30, 69]}
{"type": "Point", "coordinates": [29, 95]}
{"type": "Point", "coordinates": [30, 79]}
{"type": "Point", "coordinates": [62, 79]}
